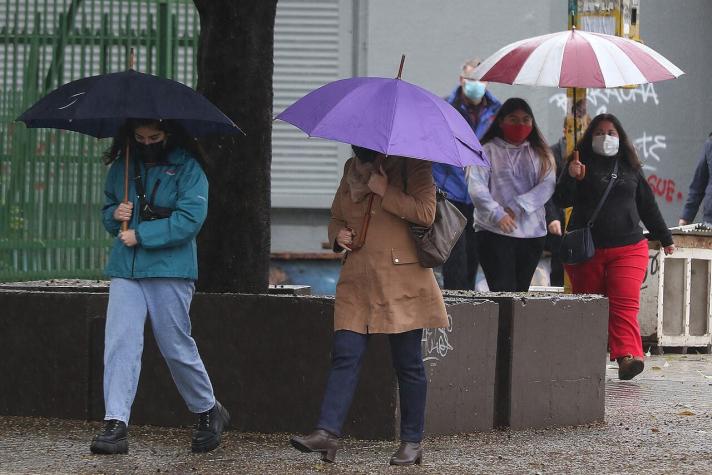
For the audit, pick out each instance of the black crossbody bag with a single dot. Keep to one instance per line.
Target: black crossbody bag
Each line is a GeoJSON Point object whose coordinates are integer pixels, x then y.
{"type": "Point", "coordinates": [577, 245]}
{"type": "Point", "coordinates": [148, 211]}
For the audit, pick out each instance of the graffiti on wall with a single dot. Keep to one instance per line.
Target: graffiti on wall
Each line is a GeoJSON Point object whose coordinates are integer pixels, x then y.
{"type": "Point", "coordinates": [650, 146]}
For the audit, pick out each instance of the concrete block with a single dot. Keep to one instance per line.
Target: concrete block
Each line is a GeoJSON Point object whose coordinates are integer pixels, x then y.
{"type": "Point", "coordinates": [551, 360]}
{"type": "Point", "coordinates": [460, 365]}
{"type": "Point", "coordinates": [45, 338]}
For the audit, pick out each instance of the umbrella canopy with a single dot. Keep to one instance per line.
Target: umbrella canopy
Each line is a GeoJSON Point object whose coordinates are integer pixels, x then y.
{"type": "Point", "coordinates": [391, 116]}
{"type": "Point", "coordinates": [575, 58]}
{"type": "Point", "coordinates": [99, 105]}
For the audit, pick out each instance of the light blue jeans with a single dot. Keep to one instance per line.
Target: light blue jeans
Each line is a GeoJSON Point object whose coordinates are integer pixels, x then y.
{"type": "Point", "coordinates": [166, 302]}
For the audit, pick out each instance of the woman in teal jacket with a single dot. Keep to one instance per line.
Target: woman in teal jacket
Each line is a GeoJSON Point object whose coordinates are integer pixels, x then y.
{"type": "Point", "coordinates": [153, 266]}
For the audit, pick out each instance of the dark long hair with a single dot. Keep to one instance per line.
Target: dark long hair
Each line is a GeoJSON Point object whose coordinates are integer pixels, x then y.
{"type": "Point", "coordinates": [535, 138]}
{"type": "Point", "coordinates": [626, 151]}
{"type": "Point", "coordinates": [176, 137]}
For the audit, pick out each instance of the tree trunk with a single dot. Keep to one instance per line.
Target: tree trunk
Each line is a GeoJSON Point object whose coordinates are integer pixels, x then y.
{"type": "Point", "coordinates": [235, 73]}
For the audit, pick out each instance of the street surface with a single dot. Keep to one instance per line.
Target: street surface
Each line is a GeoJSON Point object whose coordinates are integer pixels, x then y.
{"type": "Point", "coordinates": [658, 423]}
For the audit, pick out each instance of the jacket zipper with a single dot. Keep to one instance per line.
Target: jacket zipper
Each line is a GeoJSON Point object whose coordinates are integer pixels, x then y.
{"type": "Point", "coordinates": [135, 218]}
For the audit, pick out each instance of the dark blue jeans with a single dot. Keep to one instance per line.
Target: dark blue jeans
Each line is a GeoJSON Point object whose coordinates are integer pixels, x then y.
{"type": "Point", "coordinates": [346, 357]}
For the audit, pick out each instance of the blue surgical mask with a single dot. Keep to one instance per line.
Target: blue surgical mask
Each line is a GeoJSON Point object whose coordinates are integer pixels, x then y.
{"type": "Point", "coordinates": [474, 90]}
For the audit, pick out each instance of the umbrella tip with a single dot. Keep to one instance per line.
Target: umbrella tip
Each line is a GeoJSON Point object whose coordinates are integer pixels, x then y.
{"type": "Point", "coordinates": [400, 69]}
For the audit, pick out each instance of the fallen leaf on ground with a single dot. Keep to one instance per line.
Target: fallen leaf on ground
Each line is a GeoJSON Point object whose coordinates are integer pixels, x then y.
{"type": "Point", "coordinates": [686, 413]}
{"type": "Point", "coordinates": [704, 375]}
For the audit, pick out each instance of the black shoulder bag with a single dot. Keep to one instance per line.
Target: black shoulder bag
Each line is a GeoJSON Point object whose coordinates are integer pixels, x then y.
{"type": "Point", "coordinates": [434, 244]}
{"type": "Point", "coordinates": [577, 245]}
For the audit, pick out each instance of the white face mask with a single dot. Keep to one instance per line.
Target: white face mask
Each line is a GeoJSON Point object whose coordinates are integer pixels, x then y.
{"type": "Point", "coordinates": [606, 145]}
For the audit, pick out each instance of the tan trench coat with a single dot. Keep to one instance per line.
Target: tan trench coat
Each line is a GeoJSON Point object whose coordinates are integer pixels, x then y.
{"type": "Point", "coordinates": [382, 287]}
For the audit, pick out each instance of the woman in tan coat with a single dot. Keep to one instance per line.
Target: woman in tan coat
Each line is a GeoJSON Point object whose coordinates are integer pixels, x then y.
{"type": "Point", "coordinates": [382, 289]}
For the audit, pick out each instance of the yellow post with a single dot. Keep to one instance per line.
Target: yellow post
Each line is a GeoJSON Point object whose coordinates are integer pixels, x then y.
{"type": "Point", "coordinates": [612, 17]}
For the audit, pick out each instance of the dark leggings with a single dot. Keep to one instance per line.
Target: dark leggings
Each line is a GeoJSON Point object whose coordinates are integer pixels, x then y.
{"type": "Point", "coordinates": [508, 262]}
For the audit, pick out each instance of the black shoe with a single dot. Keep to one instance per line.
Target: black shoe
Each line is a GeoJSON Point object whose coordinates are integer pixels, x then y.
{"type": "Point", "coordinates": [209, 429]}
{"type": "Point", "coordinates": [629, 367]}
{"type": "Point", "coordinates": [113, 439]}
{"type": "Point", "coordinates": [409, 453]}
{"type": "Point", "coordinates": [320, 441]}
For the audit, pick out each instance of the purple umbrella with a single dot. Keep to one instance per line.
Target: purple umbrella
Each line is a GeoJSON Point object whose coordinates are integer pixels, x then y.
{"type": "Point", "coordinates": [391, 116]}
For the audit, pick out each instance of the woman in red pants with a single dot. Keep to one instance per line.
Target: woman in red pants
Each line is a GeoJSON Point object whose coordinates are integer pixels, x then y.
{"type": "Point", "coordinates": [618, 267]}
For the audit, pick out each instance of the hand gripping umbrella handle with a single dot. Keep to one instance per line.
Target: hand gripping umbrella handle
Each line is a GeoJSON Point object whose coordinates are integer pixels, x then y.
{"type": "Point", "coordinates": [582, 173]}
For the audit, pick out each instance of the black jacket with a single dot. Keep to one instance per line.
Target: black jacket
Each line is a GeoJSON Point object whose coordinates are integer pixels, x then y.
{"type": "Point", "coordinates": [630, 201]}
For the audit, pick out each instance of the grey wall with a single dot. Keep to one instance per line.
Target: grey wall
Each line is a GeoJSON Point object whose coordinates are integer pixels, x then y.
{"type": "Point", "coordinates": [669, 121]}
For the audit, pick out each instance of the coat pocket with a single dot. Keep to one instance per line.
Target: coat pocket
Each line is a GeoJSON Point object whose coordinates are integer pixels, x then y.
{"type": "Point", "coordinates": [400, 256]}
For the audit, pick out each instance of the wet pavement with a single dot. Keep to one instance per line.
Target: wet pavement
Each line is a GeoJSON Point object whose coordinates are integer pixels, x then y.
{"type": "Point", "coordinates": [660, 422]}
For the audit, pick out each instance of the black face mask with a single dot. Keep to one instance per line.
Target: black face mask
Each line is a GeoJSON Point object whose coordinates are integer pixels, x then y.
{"type": "Point", "coordinates": [365, 155]}
{"type": "Point", "coordinates": [153, 152]}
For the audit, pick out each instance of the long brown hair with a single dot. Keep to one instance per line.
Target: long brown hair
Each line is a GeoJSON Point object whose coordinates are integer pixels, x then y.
{"type": "Point", "coordinates": [535, 138]}
{"type": "Point", "coordinates": [626, 151]}
{"type": "Point", "coordinates": [176, 137]}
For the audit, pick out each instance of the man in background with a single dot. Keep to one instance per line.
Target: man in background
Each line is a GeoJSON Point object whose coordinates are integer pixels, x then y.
{"type": "Point", "coordinates": [700, 189]}
{"type": "Point", "coordinates": [479, 107]}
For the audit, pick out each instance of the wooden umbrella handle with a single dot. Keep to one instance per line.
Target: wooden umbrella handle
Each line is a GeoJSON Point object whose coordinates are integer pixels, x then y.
{"type": "Point", "coordinates": [125, 224]}
{"type": "Point", "coordinates": [364, 228]}
{"type": "Point", "coordinates": [582, 173]}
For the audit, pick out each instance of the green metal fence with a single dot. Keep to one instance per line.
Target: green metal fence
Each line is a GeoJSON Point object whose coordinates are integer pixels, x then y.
{"type": "Point", "coordinates": [51, 181]}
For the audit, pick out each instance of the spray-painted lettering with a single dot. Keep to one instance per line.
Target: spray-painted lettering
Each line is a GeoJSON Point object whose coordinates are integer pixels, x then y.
{"type": "Point", "coordinates": [435, 344]}
{"type": "Point", "coordinates": [664, 188]}
{"type": "Point", "coordinates": [601, 98]}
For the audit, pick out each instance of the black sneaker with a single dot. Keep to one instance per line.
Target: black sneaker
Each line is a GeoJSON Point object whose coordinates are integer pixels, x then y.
{"type": "Point", "coordinates": [113, 439]}
{"type": "Point", "coordinates": [209, 429]}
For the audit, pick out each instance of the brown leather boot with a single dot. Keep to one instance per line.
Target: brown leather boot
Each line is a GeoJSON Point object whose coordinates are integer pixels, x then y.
{"type": "Point", "coordinates": [320, 441]}
{"type": "Point", "coordinates": [629, 366]}
{"type": "Point", "coordinates": [409, 453]}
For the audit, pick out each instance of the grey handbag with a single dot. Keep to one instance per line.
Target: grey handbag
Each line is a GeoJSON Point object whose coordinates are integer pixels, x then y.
{"type": "Point", "coordinates": [434, 244]}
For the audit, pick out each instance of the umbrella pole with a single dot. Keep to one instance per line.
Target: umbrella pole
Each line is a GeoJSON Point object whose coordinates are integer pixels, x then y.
{"type": "Point", "coordinates": [576, 152]}
{"type": "Point", "coordinates": [400, 69]}
{"type": "Point", "coordinates": [125, 224]}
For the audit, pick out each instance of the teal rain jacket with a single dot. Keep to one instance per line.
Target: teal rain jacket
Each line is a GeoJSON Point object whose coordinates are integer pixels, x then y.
{"type": "Point", "coordinates": [166, 247]}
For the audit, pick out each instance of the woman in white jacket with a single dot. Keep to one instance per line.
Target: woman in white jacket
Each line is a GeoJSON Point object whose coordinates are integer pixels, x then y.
{"type": "Point", "coordinates": [509, 197]}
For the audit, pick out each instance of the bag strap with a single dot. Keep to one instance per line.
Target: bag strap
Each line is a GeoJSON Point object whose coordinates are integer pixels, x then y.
{"type": "Point", "coordinates": [614, 175]}
{"type": "Point", "coordinates": [138, 181]}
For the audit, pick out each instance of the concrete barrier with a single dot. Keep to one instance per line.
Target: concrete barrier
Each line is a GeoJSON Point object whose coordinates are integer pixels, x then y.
{"type": "Point", "coordinates": [550, 359]}
{"type": "Point", "coordinates": [267, 356]}
{"type": "Point", "coordinates": [506, 360]}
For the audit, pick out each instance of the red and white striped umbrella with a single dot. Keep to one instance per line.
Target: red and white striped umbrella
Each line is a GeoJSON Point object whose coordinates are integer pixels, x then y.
{"type": "Point", "coordinates": [575, 58]}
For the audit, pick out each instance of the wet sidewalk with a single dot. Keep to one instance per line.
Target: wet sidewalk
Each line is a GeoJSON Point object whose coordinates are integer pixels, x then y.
{"type": "Point", "coordinates": [661, 422]}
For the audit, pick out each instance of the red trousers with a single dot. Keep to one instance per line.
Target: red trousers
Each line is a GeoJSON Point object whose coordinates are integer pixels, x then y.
{"type": "Point", "coordinates": [618, 273]}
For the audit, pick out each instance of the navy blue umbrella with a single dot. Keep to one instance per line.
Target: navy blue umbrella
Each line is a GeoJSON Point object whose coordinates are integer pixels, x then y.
{"type": "Point", "coordinates": [99, 105]}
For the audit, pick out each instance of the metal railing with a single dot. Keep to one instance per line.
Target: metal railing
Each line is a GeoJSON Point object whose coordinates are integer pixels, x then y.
{"type": "Point", "coordinates": [51, 181]}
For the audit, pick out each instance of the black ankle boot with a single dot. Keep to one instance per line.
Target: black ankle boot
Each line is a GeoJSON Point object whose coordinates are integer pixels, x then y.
{"type": "Point", "coordinates": [113, 439]}
{"type": "Point", "coordinates": [320, 441]}
{"type": "Point", "coordinates": [209, 428]}
{"type": "Point", "coordinates": [409, 453]}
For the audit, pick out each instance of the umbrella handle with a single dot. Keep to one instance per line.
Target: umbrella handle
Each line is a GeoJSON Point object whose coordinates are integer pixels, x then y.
{"type": "Point", "coordinates": [125, 224]}
{"type": "Point", "coordinates": [364, 228]}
